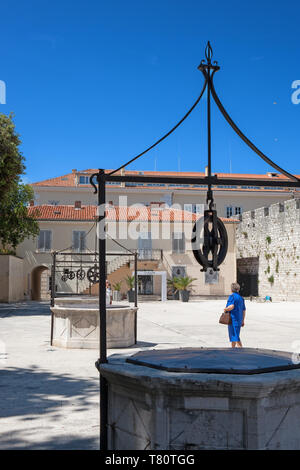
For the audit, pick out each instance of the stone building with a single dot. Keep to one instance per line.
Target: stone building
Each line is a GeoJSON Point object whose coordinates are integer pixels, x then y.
{"type": "Point", "coordinates": [268, 251]}
{"type": "Point", "coordinates": [161, 236]}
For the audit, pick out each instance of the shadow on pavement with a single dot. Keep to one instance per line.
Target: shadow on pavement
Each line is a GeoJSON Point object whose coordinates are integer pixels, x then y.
{"type": "Point", "coordinates": [22, 309]}
{"type": "Point", "coordinates": [17, 441]}
{"type": "Point", "coordinates": [38, 400]}
{"type": "Point", "coordinates": [34, 391]}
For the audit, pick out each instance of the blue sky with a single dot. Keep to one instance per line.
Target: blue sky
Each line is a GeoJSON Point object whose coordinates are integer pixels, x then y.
{"type": "Point", "coordinates": [93, 83]}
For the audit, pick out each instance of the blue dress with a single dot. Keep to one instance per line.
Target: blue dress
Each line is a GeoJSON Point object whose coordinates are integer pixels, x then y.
{"type": "Point", "coordinates": [236, 316]}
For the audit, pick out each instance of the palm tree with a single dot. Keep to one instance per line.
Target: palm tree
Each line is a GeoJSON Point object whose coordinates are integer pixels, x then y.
{"type": "Point", "coordinates": [172, 283]}
{"type": "Point", "coordinates": [117, 291]}
{"type": "Point", "coordinates": [182, 284]}
{"type": "Point", "coordinates": [130, 281]}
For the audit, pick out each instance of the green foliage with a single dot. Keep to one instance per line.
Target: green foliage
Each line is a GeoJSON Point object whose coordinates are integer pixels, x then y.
{"type": "Point", "coordinates": [182, 283]}
{"type": "Point", "coordinates": [245, 234]}
{"type": "Point", "coordinates": [268, 256]}
{"type": "Point", "coordinates": [117, 286]}
{"type": "Point", "coordinates": [268, 239]}
{"type": "Point", "coordinates": [277, 266]}
{"type": "Point", "coordinates": [11, 159]}
{"type": "Point", "coordinates": [15, 224]}
{"type": "Point", "coordinates": [172, 284]}
{"type": "Point", "coordinates": [130, 282]}
{"type": "Point", "coordinates": [271, 279]}
{"type": "Point", "coordinates": [268, 269]}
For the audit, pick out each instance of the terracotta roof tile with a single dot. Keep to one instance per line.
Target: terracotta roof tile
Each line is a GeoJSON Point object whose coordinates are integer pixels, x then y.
{"type": "Point", "coordinates": [69, 180]}
{"type": "Point", "coordinates": [118, 213]}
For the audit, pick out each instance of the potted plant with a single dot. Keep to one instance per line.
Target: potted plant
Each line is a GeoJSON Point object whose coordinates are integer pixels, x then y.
{"type": "Point", "coordinates": [182, 285]}
{"type": "Point", "coordinates": [117, 291]}
{"type": "Point", "coordinates": [130, 283]}
{"type": "Point", "coordinates": [173, 291]}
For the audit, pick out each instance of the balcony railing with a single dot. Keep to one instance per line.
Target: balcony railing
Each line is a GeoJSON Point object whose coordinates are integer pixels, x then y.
{"type": "Point", "coordinates": [150, 255]}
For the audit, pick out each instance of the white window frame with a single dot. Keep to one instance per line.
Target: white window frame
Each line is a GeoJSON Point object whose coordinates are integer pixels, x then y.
{"type": "Point", "coordinates": [233, 210]}
{"type": "Point", "coordinates": [43, 249]}
{"type": "Point", "coordinates": [82, 241]}
{"type": "Point", "coordinates": [178, 249]}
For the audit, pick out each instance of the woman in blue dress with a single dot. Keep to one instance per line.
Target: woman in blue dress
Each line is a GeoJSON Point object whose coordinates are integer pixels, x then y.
{"type": "Point", "coordinates": [236, 306]}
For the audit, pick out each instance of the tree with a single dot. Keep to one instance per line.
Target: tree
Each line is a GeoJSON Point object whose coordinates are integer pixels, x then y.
{"type": "Point", "coordinates": [11, 159]}
{"type": "Point", "coordinates": [15, 223]}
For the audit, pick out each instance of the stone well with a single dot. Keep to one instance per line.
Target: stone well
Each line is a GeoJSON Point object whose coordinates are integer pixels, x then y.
{"type": "Point", "coordinates": [190, 399]}
{"type": "Point", "coordinates": [76, 324]}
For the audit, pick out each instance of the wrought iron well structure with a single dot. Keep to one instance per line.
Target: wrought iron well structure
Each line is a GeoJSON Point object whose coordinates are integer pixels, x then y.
{"type": "Point", "coordinates": [214, 246]}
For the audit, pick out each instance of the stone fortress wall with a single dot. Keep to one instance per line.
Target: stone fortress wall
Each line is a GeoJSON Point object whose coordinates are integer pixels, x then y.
{"type": "Point", "coordinates": [268, 243]}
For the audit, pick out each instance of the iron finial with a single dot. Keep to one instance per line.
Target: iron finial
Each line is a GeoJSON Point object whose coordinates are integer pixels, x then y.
{"type": "Point", "coordinates": [208, 52]}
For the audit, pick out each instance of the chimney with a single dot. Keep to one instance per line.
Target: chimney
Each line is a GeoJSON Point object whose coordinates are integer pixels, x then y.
{"type": "Point", "coordinates": [74, 171]}
{"type": "Point", "coordinates": [122, 173]}
{"type": "Point", "coordinates": [31, 203]}
{"type": "Point", "coordinates": [77, 204]}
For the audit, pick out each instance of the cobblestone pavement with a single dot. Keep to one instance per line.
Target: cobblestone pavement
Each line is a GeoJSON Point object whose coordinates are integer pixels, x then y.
{"type": "Point", "coordinates": [49, 397]}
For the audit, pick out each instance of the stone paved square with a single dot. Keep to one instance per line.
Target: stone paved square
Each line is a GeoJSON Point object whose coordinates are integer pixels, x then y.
{"type": "Point", "coordinates": [49, 396]}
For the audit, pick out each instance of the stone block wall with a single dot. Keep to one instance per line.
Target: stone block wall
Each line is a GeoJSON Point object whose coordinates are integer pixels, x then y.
{"type": "Point", "coordinates": [272, 234]}
{"type": "Point", "coordinates": [11, 279]}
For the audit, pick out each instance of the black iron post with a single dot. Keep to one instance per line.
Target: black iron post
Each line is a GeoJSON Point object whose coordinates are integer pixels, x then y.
{"type": "Point", "coordinates": [135, 293]}
{"type": "Point", "coordinates": [135, 280]}
{"type": "Point", "coordinates": [53, 271]}
{"type": "Point", "coordinates": [102, 308]}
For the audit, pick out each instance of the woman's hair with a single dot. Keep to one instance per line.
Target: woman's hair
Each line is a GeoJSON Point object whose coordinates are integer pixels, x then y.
{"type": "Point", "coordinates": [235, 287]}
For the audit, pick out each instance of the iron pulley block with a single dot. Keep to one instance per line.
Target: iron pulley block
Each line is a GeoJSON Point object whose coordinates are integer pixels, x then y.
{"type": "Point", "coordinates": [209, 241]}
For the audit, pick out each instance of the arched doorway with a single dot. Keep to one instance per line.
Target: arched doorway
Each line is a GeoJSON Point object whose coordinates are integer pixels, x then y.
{"type": "Point", "coordinates": [40, 283]}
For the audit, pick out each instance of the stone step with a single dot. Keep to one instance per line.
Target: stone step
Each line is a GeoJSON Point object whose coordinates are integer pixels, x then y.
{"type": "Point", "coordinates": [148, 298]}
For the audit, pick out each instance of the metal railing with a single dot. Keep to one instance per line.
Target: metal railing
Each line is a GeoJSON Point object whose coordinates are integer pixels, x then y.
{"type": "Point", "coordinates": [150, 255]}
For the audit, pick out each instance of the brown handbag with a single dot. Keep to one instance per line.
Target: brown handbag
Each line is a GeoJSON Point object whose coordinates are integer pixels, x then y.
{"type": "Point", "coordinates": [225, 318]}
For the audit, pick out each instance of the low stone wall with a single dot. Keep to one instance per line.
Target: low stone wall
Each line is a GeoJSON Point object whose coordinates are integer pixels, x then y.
{"type": "Point", "coordinates": [152, 409]}
{"type": "Point", "coordinates": [11, 279]}
{"type": "Point", "coordinates": [76, 324]}
{"type": "Point", "coordinates": [271, 235]}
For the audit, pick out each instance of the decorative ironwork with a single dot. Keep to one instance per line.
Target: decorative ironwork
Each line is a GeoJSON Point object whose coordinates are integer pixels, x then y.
{"type": "Point", "coordinates": [93, 274]}
{"type": "Point", "coordinates": [212, 250]}
{"type": "Point", "coordinates": [80, 274]}
{"type": "Point", "coordinates": [215, 241]}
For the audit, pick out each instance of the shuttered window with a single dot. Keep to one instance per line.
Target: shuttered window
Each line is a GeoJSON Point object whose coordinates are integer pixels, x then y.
{"type": "Point", "coordinates": [178, 242]}
{"type": "Point", "coordinates": [44, 240]}
{"type": "Point", "coordinates": [78, 242]}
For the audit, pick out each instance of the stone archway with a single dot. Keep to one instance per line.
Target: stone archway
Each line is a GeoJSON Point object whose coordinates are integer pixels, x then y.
{"type": "Point", "coordinates": [40, 283]}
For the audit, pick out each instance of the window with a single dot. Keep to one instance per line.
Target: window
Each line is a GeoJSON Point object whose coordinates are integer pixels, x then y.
{"type": "Point", "coordinates": [145, 245]}
{"type": "Point", "coordinates": [228, 211]}
{"type": "Point", "coordinates": [44, 240]}
{"type": "Point", "coordinates": [233, 210]}
{"type": "Point", "coordinates": [86, 179]}
{"type": "Point", "coordinates": [195, 208]}
{"type": "Point", "coordinates": [178, 242]}
{"type": "Point", "coordinates": [83, 180]}
{"type": "Point", "coordinates": [78, 241]}
{"type": "Point", "coordinates": [53, 202]}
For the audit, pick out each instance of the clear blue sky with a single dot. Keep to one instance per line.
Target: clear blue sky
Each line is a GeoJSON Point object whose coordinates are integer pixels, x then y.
{"type": "Point", "coordinates": [94, 82]}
